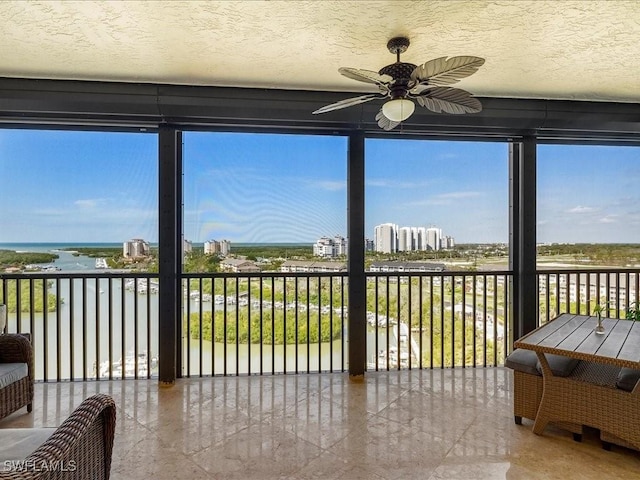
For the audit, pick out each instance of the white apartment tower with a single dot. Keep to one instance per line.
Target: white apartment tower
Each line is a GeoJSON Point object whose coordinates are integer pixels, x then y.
{"type": "Point", "coordinates": [213, 247]}
{"type": "Point", "coordinates": [136, 248]}
{"type": "Point", "coordinates": [389, 238]}
{"type": "Point", "coordinates": [323, 247]}
{"type": "Point", "coordinates": [340, 245]}
{"type": "Point", "coordinates": [330, 247]}
{"type": "Point", "coordinates": [448, 242]}
{"type": "Point", "coordinates": [405, 239]}
{"type": "Point", "coordinates": [385, 238]}
{"type": "Point", "coordinates": [225, 247]}
{"type": "Point", "coordinates": [434, 235]}
{"type": "Point", "coordinates": [421, 239]}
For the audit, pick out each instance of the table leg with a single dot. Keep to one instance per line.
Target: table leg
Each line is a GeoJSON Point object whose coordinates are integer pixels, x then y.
{"type": "Point", "coordinates": [542, 419]}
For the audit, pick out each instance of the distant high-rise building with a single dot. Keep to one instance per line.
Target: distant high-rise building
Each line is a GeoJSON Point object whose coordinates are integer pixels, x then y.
{"type": "Point", "coordinates": [213, 247]}
{"type": "Point", "coordinates": [386, 238]}
{"type": "Point", "coordinates": [330, 247]}
{"type": "Point", "coordinates": [225, 247]}
{"type": "Point", "coordinates": [368, 245]}
{"type": "Point", "coordinates": [323, 247]}
{"type": "Point", "coordinates": [448, 242]}
{"type": "Point", "coordinates": [389, 238]}
{"type": "Point", "coordinates": [341, 245]}
{"type": "Point", "coordinates": [135, 248]}
{"type": "Point", "coordinates": [405, 239]}
{"type": "Point", "coordinates": [422, 239]}
{"type": "Point", "coordinates": [433, 238]}
{"type": "Point", "coordinates": [187, 246]}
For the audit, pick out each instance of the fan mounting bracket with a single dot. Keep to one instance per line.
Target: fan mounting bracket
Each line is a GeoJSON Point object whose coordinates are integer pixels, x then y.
{"type": "Point", "coordinates": [398, 45]}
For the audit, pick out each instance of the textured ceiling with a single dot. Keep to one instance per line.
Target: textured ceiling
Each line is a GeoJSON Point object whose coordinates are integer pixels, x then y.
{"type": "Point", "coordinates": [557, 49]}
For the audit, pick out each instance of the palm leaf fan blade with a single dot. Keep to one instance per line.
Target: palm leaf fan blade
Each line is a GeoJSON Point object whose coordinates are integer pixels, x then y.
{"type": "Point", "coordinates": [449, 100]}
{"type": "Point", "coordinates": [385, 123]}
{"type": "Point", "coordinates": [348, 102]}
{"type": "Point", "coordinates": [429, 103]}
{"type": "Point", "coordinates": [446, 71]}
{"type": "Point", "coordinates": [367, 76]}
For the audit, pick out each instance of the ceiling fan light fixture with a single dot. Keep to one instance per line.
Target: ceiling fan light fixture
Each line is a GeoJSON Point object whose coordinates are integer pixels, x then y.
{"type": "Point", "coordinates": [399, 109]}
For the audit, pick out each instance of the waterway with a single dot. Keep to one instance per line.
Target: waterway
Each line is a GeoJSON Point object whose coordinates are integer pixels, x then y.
{"type": "Point", "coordinates": [102, 323]}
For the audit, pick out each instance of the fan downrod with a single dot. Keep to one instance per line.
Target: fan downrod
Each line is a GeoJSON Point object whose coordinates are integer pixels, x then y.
{"type": "Point", "coordinates": [398, 45]}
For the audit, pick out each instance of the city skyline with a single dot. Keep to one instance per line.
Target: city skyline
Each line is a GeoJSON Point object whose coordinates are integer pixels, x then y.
{"type": "Point", "coordinates": [392, 238]}
{"type": "Point", "coordinates": [264, 188]}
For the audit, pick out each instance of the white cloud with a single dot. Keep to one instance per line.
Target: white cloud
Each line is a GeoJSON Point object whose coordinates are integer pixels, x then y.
{"type": "Point", "coordinates": [383, 182]}
{"type": "Point", "coordinates": [332, 186]}
{"type": "Point", "coordinates": [459, 195]}
{"type": "Point", "coordinates": [432, 201]}
{"type": "Point", "coordinates": [449, 198]}
{"type": "Point", "coordinates": [581, 209]}
{"type": "Point", "coordinates": [608, 219]}
{"type": "Point", "coordinates": [89, 202]}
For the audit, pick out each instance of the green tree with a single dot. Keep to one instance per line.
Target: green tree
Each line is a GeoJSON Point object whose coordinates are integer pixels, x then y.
{"type": "Point", "coordinates": [27, 287]}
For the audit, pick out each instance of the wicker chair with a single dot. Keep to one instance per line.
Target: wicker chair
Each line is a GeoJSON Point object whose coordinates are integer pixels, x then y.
{"type": "Point", "coordinates": [16, 348]}
{"type": "Point", "coordinates": [627, 380]}
{"type": "Point", "coordinates": [79, 449]}
{"type": "Point", "coordinates": [527, 392]}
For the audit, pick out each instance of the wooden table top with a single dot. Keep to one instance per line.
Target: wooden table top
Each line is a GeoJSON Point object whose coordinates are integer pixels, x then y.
{"type": "Point", "coordinates": [574, 336]}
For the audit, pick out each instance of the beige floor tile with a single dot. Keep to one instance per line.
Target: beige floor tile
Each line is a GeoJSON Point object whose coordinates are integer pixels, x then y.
{"type": "Point", "coordinates": [429, 424]}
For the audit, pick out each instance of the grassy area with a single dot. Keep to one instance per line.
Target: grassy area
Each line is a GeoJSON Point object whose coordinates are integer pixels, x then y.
{"type": "Point", "coordinates": [95, 252]}
{"type": "Point", "coordinates": [26, 287]}
{"type": "Point", "coordinates": [254, 252]}
{"type": "Point", "coordinates": [9, 258]}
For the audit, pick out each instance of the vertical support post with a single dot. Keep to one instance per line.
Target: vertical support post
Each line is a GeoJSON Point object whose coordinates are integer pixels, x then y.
{"type": "Point", "coordinates": [514, 241]}
{"type": "Point", "coordinates": [179, 251]}
{"type": "Point", "coordinates": [357, 279]}
{"type": "Point", "coordinates": [169, 265]}
{"type": "Point", "coordinates": [526, 277]}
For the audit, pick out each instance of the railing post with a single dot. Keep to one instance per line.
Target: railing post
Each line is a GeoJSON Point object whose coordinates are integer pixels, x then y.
{"type": "Point", "coordinates": [357, 289]}
{"type": "Point", "coordinates": [169, 258]}
{"type": "Point", "coordinates": [522, 226]}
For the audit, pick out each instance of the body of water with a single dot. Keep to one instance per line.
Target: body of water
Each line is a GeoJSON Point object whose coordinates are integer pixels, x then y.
{"type": "Point", "coordinates": [103, 319]}
{"type": "Point", "coordinates": [66, 261]}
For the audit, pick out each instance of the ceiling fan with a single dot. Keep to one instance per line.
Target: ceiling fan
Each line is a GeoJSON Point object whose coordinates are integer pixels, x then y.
{"type": "Point", "coordinates": [402, 82]}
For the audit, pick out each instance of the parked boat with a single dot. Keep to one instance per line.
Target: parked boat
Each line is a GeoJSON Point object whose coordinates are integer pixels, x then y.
{"type": "Point", "coordinates": [392, 357]}
{"type": "Point", "coordinates": [129, 366]}
{"type": "Point", "coordinates": [101, 263]}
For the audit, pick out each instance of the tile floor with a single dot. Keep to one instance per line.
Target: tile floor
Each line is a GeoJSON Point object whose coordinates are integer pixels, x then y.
{"type": "Point", "coordinates": [440, 424]}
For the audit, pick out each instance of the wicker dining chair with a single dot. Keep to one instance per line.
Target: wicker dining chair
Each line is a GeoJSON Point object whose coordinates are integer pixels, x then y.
{"type": "Point", "coordinates": [16, 348]}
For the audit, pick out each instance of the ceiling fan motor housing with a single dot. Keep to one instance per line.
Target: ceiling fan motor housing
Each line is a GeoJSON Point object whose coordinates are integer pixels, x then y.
{"type": "Point", "coordinates": [401, 73]}
{"type": "Point", "coordinates": [398, 70]}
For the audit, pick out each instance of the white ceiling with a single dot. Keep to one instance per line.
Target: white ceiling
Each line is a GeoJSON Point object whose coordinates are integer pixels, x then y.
{"type": "Point", "coordinates": [557, 49]}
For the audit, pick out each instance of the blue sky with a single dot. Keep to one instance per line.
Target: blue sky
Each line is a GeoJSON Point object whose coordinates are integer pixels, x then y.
{"type": "Point", "coordinates": [460, 187]}
{"type": "Point", "coordinates": [58, 186]}
{"type": "Point", "coordinates": [588, 194]}
{"type": "Point", "coordinates": [264, 188]}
